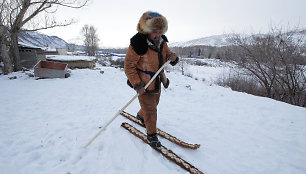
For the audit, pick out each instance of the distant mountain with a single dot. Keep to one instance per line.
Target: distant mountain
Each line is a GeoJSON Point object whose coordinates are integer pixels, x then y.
{"type": "Point", "coordinates": [224, 40]}
{"type": "Point", "coordinates": [35, 39]}
{"type": "Point", "coordinates": [216, 40]}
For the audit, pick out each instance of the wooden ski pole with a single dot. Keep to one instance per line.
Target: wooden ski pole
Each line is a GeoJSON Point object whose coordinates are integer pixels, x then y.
{"type": "Point", "coordinates": [125, 106]}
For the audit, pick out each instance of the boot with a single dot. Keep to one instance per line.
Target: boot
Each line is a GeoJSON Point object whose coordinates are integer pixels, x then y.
{"type": "Point", "coordinates": [141, 120]}
{"type": "Point", "coordinates": [153, 140]}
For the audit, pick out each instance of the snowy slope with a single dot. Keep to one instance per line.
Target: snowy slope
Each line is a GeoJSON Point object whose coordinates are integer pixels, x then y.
{"type": "Point", "coordinates": [224, 39]}
{"type": "Point", "coordinates": [45, 123]}
{"type": "Point", "coordinates": [35, 39]}
{"type": "Point", "coordinates": [216, 40]}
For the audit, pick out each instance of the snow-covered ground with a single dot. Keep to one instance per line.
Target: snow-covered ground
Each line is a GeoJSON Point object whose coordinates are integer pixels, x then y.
{"type": "Point", "coordinates": [70, 57]}
{"type": "Point", "coordinates": [45, 123]}
{"type": "Point", "coordinates": [208, 71]}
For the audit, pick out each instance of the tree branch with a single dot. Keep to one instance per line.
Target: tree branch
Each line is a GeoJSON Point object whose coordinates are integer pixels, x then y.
{"type": "Point", "coordinates": [51, 26]}
{"type": "Point", "coordinates": [70, 6]}
{"type": "Point", "coordinates": [38, 10]}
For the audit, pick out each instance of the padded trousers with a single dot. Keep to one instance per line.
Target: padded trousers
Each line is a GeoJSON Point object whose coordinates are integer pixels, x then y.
{"type": "Point", "coordinates": [148, 110]}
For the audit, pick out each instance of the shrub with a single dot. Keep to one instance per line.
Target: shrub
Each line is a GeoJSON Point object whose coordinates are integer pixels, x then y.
{"type": "Point", "coordinates": [119, 63]}
{"type": "Point", "coordinates": [275, 61]}
{"type": "Point", "coordinates": [247, 83]}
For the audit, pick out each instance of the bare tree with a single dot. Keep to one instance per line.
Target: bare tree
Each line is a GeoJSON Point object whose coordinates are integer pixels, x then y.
{"type": "Point", "coordinates": [4, 40]}
{"type": "Point", "coordinates": [276, 61]}
{"type": "Point", "coordinates": [18, 15]}
{"type": "Point", "coordinates": [90, 39]}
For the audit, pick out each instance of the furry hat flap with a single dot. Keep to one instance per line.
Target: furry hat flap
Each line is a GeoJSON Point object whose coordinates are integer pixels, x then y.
{"type": "Point", "coordinates": [150, 21]}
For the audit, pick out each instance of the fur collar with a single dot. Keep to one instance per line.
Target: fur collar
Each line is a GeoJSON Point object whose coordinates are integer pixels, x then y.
{"type": "Point", "coordinates": [140, 44]}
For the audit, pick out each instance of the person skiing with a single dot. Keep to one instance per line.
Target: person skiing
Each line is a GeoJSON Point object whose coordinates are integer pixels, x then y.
{"type": "Point", "coordinates": [147, 52]}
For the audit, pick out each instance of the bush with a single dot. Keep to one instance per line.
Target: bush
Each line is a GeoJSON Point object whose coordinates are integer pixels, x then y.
{"type": "Point", "coordinates": [108, 61]}
{"type": "Point", "coordinates": [248, 84]}
{"type": "Point", "coordinates": [241, 83]}
{"type": "Point", "coordinates": [275, 61]}
{"type": "Point", "coordinates": [103, 60]}
{"type": "Point", "coordinates": [119, 63]}
{"type": "Point", "coordinates": [200, 63]}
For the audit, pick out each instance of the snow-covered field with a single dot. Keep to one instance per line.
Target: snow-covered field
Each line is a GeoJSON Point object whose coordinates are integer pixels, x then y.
{"type": "Point", "coordinates": [210, 71]}
{"type": "Point", "coordinates": [45, 123]}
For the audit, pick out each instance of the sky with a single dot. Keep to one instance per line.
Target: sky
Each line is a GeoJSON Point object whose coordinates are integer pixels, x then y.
{"type": "Point", "coordinates": [116, 20]}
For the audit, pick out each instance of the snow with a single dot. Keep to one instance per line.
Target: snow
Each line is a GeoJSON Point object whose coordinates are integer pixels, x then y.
{"type": "Point", "coordinates": [45, 123]}
{"type": "Point", "coordinates": [225, 39]}
{"type": "Point", "coordinates": [216, 40]}
{"type": "Point", "coordinates": [70, 57]}
{"type": "Point", "coordinates": [210, 73]}
{"type": "Point", "coordinates": [36, 39]}
{"type": "Point", "coordinates": [27, 44]}
{"type": "Point", "coordinates": [49, 49]}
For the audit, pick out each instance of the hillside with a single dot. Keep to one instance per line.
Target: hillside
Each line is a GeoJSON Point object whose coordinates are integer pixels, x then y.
{"type": "Point", "coordinates": [217, 40]}
{"type": "Point", "coordinates": [45, 123]}
{"type": "Point", "coordinates": [224, 40]}
{"type": "Point", "coordinates": [35, 39]}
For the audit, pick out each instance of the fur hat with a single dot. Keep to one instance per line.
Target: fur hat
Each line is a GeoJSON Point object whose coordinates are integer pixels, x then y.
{"type": "Point", "coordinates": [150, 21]}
